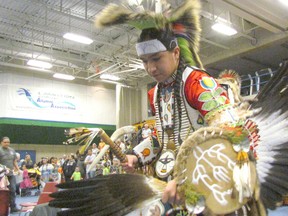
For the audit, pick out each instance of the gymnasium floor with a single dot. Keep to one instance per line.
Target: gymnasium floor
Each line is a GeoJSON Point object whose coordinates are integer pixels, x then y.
{"type": "Point", "coordinates": [282, 211]}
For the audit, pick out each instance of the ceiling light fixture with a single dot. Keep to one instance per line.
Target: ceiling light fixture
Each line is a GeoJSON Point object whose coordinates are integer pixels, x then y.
{"type": "Point", "coordinates": [63, 76]}
{"type": "Point", "coordinates": [285, 2]}
{"type": "Point", "coordinates": [39, 64]}
{"type": "Point", "coordinates": [78, 38]}
{"type": "Point", "coordinates": [224, 28]}
{"type": "Point", "coordinates": [109, 77]}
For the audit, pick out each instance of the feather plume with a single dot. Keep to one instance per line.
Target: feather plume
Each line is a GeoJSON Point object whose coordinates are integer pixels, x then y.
{"type": "Point", "coordinates": [113, 14]}
{"type": "Point", "coordinates": [183, 20]}
{"type": "Point", "coordinates": [107, 195]}
{"type": "Point", "coordinates": [82, 136]}
{"type": "Point", "coordinates": [186, 26]}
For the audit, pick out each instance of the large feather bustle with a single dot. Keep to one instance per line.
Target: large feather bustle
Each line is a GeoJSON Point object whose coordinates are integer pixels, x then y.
{"type": "Point", "coordinates": [272, 121]}
{"type": "Point", "coordinates": [116, 194]}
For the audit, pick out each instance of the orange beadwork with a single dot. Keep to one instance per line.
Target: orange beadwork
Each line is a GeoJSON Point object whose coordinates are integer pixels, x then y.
{"type": "Point", "coordinates": [146, 152]}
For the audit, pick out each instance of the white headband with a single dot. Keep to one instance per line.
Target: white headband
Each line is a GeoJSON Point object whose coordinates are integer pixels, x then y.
{"type": "Point", "coordinates": [149, 47]}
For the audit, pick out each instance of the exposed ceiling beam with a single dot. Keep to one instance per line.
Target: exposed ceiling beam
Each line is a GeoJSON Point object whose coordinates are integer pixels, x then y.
{"type": "Point", "coordinates": [214, 43]}
{"type": "Point", "coordinates": [247, 15]}
{"type": "Point", "coordinates": [254, 61]}
{"type": "Point", "coordinates": [244, 48]}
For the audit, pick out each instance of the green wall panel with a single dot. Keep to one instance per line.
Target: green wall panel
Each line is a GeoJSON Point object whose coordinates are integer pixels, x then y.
{"type": "Point", "coordinates": [25, 131]}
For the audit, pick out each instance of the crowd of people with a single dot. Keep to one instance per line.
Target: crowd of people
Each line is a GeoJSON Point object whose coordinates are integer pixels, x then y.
{"type": "Point", "coordinates": [21, 175]}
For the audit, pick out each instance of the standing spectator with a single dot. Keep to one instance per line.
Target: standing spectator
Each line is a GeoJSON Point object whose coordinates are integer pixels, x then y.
{"type": "Point", "coordinates": [69, 167]}
{"type": "Point", "coordinates": [88, 161]}
{"type": "Point", "coordinates": [95, 149]}
{"type": "Point", "coordinates": [146, 131]}
{"type": "Point", "coordinates": [106, 169]}
{"type": "Point", "coordinates": [138, 134]}
{"type": "Point", "coordinates": [18, 157]}
{"type": "Point", "coordinates": [115, 167]}
{"type": "Point", "coordinates": [8, 158]}
{"type": "Point", "coordinates": [46, 172]}
{"type": "Point", "coordinates": [40, 163]}
{"type": "Point", "coordinates": [76, 176]}
{"type": "Point", "coordinates": [121, 145]}
{"type": "Point", "coordinates": [153, 130]}
{"type": "Point", "coordinates": [56, 176]}
{"type": "Point", "coordinates": [63, 159]}
{"type": "Point", "coordinates": [101, 144]}
{"type": "Point", "coordinates": [79, 158]}
{"type": "Point", "coordinates": [29, 164]}
{"type": "Point", "coordinates": [19, 178]}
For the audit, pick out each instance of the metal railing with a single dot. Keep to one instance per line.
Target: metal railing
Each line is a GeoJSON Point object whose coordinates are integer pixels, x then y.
{"type": "Point", "coordinates": [251, 84]}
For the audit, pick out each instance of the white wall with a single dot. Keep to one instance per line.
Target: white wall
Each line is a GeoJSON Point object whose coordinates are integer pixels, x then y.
{"type": "Point", "coordinates": [47, 150]}
{"type": "Point", "coordinates": [144, 102]}
{"type": "Point", "coordinates": [93, 104]}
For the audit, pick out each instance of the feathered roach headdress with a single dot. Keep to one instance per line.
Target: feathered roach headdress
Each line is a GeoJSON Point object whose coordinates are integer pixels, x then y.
{"type": "Point", "coordinates": [184, 22]}
{"type": "Point", "coordinates": [231, 81]}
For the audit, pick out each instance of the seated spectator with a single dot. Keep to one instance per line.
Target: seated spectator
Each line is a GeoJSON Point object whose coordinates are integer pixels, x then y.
{"type": "Point", "coordinates": [28, 162]}
{"type": "Point", "coordinates": [26, 184]}
{"type": "Point", "coordinates": [3, 178]}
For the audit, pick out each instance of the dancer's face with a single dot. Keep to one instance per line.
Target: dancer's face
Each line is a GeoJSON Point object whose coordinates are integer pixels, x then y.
{"type": "Point", "coordinates": [160, 66]}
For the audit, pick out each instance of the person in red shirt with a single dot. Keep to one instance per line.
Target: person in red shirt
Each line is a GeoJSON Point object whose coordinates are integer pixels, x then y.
{"type": "Point", "coordinates": [185, 97]}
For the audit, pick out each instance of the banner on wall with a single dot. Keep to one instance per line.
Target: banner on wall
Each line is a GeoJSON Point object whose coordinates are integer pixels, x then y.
{"type": "Point", "coordinates": [55, 101]}
{"type": "Point", "coordinates": [42, 99]}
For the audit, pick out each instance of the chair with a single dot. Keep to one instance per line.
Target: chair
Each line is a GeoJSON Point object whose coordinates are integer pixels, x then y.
{"type": "Point", "coordinates": [4, 204]}
{"type": "Point", "coordinates": [44, 198]}
{"type": "Point", "coordinates": [50, 187]}
{"type": "Point", "coordinates": [27, 207]}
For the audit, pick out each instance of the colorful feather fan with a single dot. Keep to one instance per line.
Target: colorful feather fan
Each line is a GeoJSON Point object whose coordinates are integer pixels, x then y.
{"type": "Point", "coordinates": [272, 150]}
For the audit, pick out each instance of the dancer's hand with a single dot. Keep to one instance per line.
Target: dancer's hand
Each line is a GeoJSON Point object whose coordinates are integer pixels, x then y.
{"type": "Point", "coordinates": [130, 165]}
{"type": "Point", "coordinates": [155, 211]}
{"type": "Point", "coordinates": [170, 194]}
